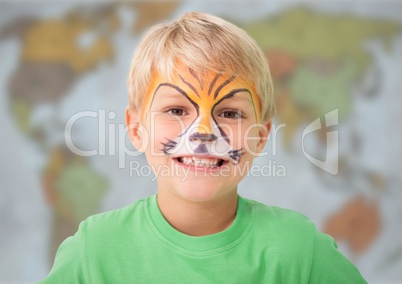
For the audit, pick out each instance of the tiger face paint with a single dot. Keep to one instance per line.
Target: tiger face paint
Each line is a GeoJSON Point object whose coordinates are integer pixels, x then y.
{"type": "Point", "coordinates": [196, 117]}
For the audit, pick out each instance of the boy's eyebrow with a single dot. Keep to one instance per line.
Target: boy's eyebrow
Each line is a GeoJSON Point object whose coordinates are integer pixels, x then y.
{"type": "Point", "coordinates": [232, 95]}
{"type": "Point", "coordinates": [170, 91]}
{"type": "Point", "coordinates": [173, 93]}
{"type": "Point", "coordinates": [238, 97]}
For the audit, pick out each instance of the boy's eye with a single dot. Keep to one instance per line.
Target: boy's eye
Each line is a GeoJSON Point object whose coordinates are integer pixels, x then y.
{"type": "Point", "coordinates": [176, 111]}
{"type": "Point", "coordinates": [231, 114]}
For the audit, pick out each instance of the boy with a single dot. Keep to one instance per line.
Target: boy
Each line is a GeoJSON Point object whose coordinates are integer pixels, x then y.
{"type": "Point", "coordinates": [201, 103]}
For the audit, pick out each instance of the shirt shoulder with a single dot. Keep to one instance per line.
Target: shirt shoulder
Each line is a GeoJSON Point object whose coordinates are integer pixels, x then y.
{"type": "Point", "coordinates": [114, 219]}
{"type": "Point", "coordinates": [285, 222]}
{"type": "Point", "coordinates": [296, 239]}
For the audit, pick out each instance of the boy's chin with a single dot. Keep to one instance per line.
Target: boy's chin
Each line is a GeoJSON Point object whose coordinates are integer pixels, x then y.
{"type": "Point", "coordinates": [201, 194]}
{"type": "Point", "coordinates": [202, 191]}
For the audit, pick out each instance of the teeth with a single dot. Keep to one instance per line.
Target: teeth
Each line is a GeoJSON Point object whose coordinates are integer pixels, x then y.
{"type": "Point", "coordinates": [200, 161]}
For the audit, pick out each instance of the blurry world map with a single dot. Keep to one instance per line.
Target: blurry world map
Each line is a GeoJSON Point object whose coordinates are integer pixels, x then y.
{"type": "Point", "coordinates": [59, 60]}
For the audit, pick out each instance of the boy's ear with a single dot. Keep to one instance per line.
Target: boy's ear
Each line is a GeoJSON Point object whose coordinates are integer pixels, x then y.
{"type": "Point", "coordinates": [263, 135]}
{"type": "Point", "coordinates": [135, 129]}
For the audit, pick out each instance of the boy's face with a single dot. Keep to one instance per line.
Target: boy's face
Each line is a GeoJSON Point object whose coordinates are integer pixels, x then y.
{"type": "Point", "coordinates": [200, 137]}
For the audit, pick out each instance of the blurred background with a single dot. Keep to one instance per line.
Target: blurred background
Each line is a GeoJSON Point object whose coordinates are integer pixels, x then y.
{"type": "Point", "coordinates": [61, 59]}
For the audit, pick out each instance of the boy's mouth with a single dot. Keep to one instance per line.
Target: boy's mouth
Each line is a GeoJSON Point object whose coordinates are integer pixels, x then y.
{"type": "Point", "coordinates": [209, 162]}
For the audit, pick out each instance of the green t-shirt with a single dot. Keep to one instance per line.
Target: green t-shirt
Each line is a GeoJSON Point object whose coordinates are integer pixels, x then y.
{"type": "Point", "coordinates": [264, 244]}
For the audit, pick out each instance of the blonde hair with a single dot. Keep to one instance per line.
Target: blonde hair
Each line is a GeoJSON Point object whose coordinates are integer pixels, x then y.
{"type": "Point", "coordinates": [204, 43]}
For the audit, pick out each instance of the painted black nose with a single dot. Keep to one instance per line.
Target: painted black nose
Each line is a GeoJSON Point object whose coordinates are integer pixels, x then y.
{"type": "Point", "coordinates": [203, 137]}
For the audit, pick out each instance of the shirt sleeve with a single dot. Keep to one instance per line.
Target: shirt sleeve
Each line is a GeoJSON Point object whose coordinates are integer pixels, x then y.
{"type": "Point", "coordinates": [67, 267]}
{"type": "Point", "coordinates": [329, 265]}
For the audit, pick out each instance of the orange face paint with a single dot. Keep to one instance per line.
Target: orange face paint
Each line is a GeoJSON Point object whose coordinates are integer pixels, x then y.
{"type": "Point", "coordinates": [204, 95]}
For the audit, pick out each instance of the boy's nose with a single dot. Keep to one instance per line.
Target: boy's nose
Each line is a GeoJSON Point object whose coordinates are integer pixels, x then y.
{"type": "Point", "coordinates": [204, 125]}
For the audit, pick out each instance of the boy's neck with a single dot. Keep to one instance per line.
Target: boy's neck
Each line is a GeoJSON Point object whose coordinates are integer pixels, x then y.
{"type": "Point", "coordinates": [198, 218]}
